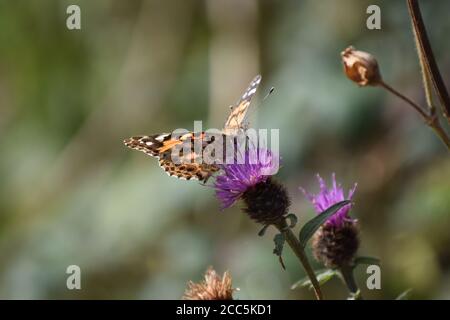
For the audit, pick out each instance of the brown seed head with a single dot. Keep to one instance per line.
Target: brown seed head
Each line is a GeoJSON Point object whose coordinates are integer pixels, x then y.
{"type": "Point", "coordinates": [213, 287]}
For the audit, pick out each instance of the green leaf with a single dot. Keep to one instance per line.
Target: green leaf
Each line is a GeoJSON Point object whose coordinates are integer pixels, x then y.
{"type": "Point", "coordinates": [263, 230]}
{"type": "Point", "coordinates": [404, 295]}
{"type": "Point", "coordinates": [292, 220]}
{"type": "Point", "coordinates": [312, 225]}
{"type": "Point", "coordinates": [323, 276]}
{"type": "Point", "coordinates": [279, 240]}
{"type": "Point", "coordinates": [367, 260]}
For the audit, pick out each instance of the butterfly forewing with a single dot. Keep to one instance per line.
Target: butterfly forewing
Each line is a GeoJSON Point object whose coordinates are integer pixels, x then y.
{"type": "Point", "coordinates": [236, 119]}
{"type": "Point", "coordinates": [150, 145]}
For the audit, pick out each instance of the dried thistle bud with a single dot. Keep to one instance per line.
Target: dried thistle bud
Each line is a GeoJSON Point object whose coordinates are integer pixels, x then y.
{"type": "Point", "coordinates": [361, 67]}
{"type": "Point", "coordinates": [213, 287]}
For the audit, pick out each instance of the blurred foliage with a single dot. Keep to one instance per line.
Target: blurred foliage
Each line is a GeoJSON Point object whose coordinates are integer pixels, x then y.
{"type": "Point", "coordinates": [71, 193]}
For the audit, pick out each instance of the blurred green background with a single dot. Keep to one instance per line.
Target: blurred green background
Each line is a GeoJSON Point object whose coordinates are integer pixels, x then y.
{"type": "Point", "coordinates": [72, 193]}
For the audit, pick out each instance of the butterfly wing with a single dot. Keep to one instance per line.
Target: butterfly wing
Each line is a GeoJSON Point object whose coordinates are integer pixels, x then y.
{"type": "Point", "coordinates": [237, 117]}
{"type": "Point", "coordinates": [189, 166]}
{"type": "Point", "coordinates": [151, 145]}
{"type": "Point", "coordinates": [188, 171]}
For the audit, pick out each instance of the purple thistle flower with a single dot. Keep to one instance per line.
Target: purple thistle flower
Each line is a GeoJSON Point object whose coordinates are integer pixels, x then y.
{"type": "Point", "coordinates": [257, 166]}
{"type": "Point", "coordinates": [336, 242]}
{"type": "Point", "coordinates": [265, 200]}
{"type": "Point", "coordinates": [328, 197]}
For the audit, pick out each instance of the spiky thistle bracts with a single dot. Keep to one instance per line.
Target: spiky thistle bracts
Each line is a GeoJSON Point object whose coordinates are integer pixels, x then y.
{"type": "Point", "coordinates": [336, 246]}
{"type": "Point", "coordinates": [266, 202]}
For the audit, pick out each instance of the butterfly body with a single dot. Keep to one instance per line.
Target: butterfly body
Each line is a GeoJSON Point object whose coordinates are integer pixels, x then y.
{"type": "Point", "coordinates": [191, 166]}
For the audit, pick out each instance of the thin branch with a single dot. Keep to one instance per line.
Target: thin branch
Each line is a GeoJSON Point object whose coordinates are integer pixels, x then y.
{"type": "Point", "coordinates": [429, 60]}
{"type": "Point", "coordinates": [406, 99]}
{"type": "Point", "coordinates": [431, 120]}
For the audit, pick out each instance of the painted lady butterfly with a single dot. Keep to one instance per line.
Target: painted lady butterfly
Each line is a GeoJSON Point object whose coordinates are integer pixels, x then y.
{"type": "Point", "coordinates": [160, 145]}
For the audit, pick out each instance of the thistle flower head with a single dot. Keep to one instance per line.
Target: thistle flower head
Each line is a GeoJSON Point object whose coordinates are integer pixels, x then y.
{"type": "Point", "coordinates": [266, 201]}
{"type": "Point", "coordinates": [330, 196]}
{"type": "Point", "coordinates": [256, 167]}
{"type": "Point", "coordinates": [335, 243]}
{"type": "Point", "coordinates": [213, 287]}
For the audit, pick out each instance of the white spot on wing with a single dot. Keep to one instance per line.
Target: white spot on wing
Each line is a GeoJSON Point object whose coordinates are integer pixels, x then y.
{"type": "Point", "coordinates": [251, 92]}
{"type": "Point", "coordinates": [161, 137]}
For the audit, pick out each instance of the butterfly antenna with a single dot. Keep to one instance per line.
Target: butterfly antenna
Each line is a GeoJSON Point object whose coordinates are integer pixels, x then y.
{"type": "Point", "coordinates": [252, 110]}
{"type": "Point", "coordinates": [271, 90]}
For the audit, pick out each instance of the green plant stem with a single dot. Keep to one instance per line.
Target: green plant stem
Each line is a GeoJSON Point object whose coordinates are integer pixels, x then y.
{"type": "Point", "coordinates": [431, 120]}
{"type": "Point", "coordinates": [427, 56]}
{"type": "Point", "coordinates": [349, 279]}
{"type": "Point", "coordinates": [299, 251]}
